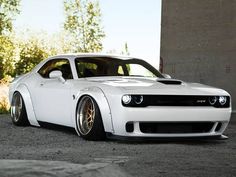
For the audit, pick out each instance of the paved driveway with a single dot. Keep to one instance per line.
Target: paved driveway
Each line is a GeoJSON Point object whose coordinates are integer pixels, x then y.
{"type": "Point", "coordinates": [182, 158]}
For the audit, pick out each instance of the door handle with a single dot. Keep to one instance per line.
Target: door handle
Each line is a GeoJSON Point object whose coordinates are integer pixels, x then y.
{"type": "Point", "coordinates": [41, 84]}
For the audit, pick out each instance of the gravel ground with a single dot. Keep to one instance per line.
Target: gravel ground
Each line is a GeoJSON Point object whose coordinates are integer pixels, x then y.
{"type": "Point", "coordinates": [152, 158]}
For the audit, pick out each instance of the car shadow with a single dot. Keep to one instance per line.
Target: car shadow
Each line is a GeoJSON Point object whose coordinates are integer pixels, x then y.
{"type": "Point", "coordinates": [185, 141]}
{"type": "Point", "coordinates": [55, 127]}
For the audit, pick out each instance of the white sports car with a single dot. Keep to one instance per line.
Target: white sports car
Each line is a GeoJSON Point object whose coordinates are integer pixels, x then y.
{"type": "Point", "coordinates": [106, 95]}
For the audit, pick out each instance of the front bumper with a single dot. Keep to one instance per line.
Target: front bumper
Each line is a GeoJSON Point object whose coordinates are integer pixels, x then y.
{"type": "Point", "coordinates": [160, 114]}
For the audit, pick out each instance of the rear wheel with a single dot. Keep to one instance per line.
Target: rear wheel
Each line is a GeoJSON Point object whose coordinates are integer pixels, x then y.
{"type": "Point", "coordinates": [88, 120]}
{"type": "Point", "coordinates": [18, 111]}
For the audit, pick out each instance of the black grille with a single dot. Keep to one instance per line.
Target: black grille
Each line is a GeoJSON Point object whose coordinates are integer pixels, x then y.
{"type": "Point", "coordinates": [183, 127]}
{"type": "Point", "coordinates": [129, 127]}
{"type": "Point", "coordinates": [218, 127]}
{"type": "Point", "coordinates": [177, 100]}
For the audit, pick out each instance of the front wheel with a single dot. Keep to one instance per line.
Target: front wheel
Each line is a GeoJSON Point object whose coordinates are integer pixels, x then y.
{"type": "Point", "coordinates": [88, 119]}
{"type": "Point", "coordinates": [18, 111]}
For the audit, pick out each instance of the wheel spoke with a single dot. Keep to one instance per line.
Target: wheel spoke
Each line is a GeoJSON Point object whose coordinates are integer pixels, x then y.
{"type": "Point", "coordinates": [86, 115]}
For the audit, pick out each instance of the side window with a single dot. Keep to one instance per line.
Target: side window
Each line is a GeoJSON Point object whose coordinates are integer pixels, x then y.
{"type": "Point", "coordinates": [62, 65]}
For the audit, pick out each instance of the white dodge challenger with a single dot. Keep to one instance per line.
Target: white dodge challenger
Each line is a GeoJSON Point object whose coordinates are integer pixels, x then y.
{"type": "Point", "coordinates": [112, 96]}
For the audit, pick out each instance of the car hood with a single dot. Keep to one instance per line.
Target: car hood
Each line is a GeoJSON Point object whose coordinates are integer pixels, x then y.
{"type": "Point", "coordinates": [143, 85]}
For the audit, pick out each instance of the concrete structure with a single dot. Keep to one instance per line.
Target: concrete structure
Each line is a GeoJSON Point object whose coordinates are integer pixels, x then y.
{"type": "Point", "coordinates": [198, 42]}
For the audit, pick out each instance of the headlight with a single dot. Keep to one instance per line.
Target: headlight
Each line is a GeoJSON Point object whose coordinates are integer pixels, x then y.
{"type": "Point", "coordinates": [213, 100]}
{"type": "Point", "coordinates": [219, 101]}
{"type": "Point", "coordinates": [222, 100]}
{"type": "Point", "coordinates": [138, 99]}
{"type": "Point", "coordinates": [133, 100]}
{"type": "Point", "coordinates": [126, 99]}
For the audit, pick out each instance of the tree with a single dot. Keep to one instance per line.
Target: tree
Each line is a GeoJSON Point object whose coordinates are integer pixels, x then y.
{"type": "Point", "coordinates": [31, 53]}
{"type": "Point", "coordinates": [6, 56]}
{"type": "Point", "coordinates": [125, 50]}
{"type": "Point", "coordinates": [83, 24]}
{"type": "Point", "coordinates": [8, 10]}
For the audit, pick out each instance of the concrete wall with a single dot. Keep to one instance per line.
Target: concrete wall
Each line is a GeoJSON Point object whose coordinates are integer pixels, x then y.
{"type": "Point", "coordinates": [198, 42]}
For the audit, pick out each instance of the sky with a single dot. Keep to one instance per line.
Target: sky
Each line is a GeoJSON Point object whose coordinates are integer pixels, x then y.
{"type": "Point", "coordinates": [137, 22]}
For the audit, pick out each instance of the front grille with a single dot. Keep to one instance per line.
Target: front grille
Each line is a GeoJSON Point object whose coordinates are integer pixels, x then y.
{"type": "Point", "coordinates": [180, 127]}
{"type": "Point", "coordinates": [179, 100]}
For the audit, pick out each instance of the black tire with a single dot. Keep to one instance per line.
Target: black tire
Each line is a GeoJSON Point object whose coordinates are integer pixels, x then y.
{"type": "Point", "coordinates": [88, 120]}
{"type": "Point", "coordinates": [18, 111]}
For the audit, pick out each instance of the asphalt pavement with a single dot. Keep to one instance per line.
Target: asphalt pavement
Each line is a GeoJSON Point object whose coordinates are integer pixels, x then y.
{"type": "Point", "coordinates": [32, 151]}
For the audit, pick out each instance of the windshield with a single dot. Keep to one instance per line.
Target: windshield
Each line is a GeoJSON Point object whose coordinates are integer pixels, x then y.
{"type": "Point", "coordinates": [106, 66]}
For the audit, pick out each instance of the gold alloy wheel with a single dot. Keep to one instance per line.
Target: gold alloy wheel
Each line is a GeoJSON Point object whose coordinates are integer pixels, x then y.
{"type": "Point", "coordinates": [86, 115]}
{"type": "Point", "coordinates": [16, 107]}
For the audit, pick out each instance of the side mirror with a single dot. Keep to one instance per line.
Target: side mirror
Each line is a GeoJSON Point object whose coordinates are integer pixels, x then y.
{"type": "Point", "coordinates": [167, 76]}
{"type": "Point", "coordinates": [57, 75]}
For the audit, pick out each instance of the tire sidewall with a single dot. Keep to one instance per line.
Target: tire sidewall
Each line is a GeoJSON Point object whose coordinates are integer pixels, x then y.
{"type": "Point", "coordinates": [97, 129]}
{"type": "Point", "coordinates": [23, 119]}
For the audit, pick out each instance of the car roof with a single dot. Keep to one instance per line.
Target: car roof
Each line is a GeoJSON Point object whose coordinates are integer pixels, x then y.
{"type": "Point", "coordinates": [75, 55]}
{"type": "Point", "coordinates": [72, 56]}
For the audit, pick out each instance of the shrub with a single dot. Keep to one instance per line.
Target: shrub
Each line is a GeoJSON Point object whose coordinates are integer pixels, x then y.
{"type": "Point", "coordinates": [4, 103]}
{"type": "Point", "coordinates": [31, 53]}
{"type": "Point", "coordinates": [4, 106]}
{"type": "Point", "coordinates": [6, 80]}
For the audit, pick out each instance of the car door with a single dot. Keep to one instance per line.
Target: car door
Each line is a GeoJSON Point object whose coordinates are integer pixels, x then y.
{"type": "Point", "coordinates": [52, 97]}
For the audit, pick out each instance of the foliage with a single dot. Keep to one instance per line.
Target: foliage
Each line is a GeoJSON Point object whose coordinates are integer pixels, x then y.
{"type": "Point", "coordinates": [125, 51]}
{"type": "Point", "coordinates": [20, 53]}
{"type": "Point", "coordinates": [8, 10]}
{"type": "Point", "coordinates": [4, 106]}
{"type": "Point", "coordinates": [33, 47]}
{"type": "Point", "coordinates": [56, 43]}
{"type": "Point", "coordinates": [6, 80]}
{"type": "Point", "coordinates": [4, 103]}
{"type": "Point", "coordinates": [6, 56]}
{"type": "Point", "coordinates": [83, 24]}
{"type": "Point", "coordinates": [30, 54]}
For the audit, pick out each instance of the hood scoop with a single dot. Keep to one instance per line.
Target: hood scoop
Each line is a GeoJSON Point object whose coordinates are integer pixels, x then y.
{"type": "Point", "coordinates": [170, 82]}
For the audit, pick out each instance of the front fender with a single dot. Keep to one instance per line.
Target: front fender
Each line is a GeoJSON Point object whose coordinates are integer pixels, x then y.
{"type": "Point", "coordinates": [22, 88]}
{"type": "Point", "coordinates": [99, 96]}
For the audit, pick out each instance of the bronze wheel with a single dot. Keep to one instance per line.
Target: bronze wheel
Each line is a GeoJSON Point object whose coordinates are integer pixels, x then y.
{"type": "Point", "coordinates": [86, 115]}
{"type": "Point", "coordinates": [88, 119]}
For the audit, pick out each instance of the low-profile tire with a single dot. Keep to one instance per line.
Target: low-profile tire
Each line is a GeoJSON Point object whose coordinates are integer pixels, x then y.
{"type": "Point", "coordinates": [18, 111]}
{"type": "Point", "coordinates": [88, 120]}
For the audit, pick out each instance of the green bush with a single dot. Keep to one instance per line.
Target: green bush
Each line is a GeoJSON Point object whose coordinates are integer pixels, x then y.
{"type": "Point", "coordinates": [6, 56]}
{"type": "Point", "coordinates": [31, 53]}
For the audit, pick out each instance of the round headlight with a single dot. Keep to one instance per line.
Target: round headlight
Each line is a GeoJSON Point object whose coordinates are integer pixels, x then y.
{"type": "Point", "coordinates": [126, 99]}
{"type": "Point", "coordinates": [222, 100]}
{"type": "Point", "coordinates": [213, 100]}
{"type": "Point", "coordinates": [138, 99]}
